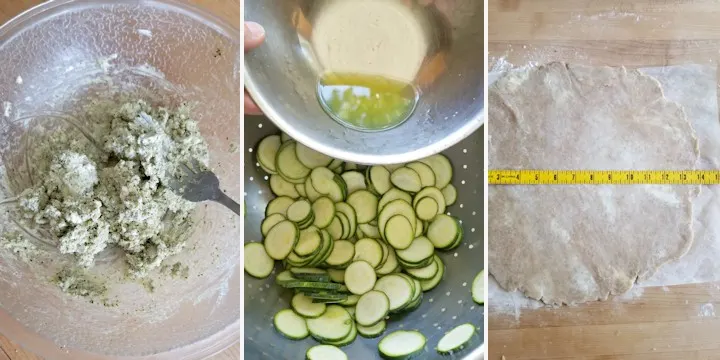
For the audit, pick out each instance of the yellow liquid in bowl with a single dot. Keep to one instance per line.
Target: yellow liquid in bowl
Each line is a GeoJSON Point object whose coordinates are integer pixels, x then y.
{"type": "Point", "coordinates": [367, 102]}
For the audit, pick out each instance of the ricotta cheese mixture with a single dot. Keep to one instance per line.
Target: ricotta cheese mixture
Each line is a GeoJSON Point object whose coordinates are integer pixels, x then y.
{"type": "Point", "coordinates": [113, 191]}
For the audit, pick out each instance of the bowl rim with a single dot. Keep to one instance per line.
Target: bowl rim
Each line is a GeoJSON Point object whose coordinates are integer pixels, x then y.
{"type": "Point", "coordinates": [200, 349]}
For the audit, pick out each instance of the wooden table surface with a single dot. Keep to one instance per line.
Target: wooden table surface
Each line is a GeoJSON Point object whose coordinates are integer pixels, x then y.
{"type": "Point", "coordinates": [677, 322]}
{"type": "Point", "coordinates": [229, 10]}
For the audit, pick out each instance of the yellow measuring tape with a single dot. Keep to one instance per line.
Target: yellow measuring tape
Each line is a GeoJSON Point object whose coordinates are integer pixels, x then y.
{"type": "Point", "coordinates": [601, 177]}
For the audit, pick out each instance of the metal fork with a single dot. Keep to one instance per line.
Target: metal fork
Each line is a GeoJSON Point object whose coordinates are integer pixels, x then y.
{"type": "Point", "coordinates": [201, 185]}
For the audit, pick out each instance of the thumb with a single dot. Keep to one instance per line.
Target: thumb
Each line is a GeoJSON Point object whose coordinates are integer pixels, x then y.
{"type": "Point", "coordinates": [254, 35]}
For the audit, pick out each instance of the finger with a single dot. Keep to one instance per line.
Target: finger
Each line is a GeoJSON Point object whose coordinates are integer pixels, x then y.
{"type": "Point", "coordinates": [254, 35]}
{"type": "Point", "coordinates": [250, 107]}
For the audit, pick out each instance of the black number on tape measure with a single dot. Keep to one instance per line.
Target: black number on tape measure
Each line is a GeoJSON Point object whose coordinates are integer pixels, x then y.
{"type": "Point", "coordinates": [555, 177]}
{"type": "Point", "coordinates": [537, 177]}
{"type": "Point", "coordinates": [573, 176]}
{"type": "Point", "coordinates": [647, 176]}
{"type": "Point", "coordinates": [666, 176]}
{"type": "Point", "coordinates": [701, 176]}
{"type": "Point", "coordinates": [683, 177]}
{"type": "Point", "coordinates": [592, 177]}
{"type": "Point", "coordinates": [610, 177]}
{"type": "Point", "coordinates": [498, 176]}
{"type": "Point", "coordinates": [630, 177]}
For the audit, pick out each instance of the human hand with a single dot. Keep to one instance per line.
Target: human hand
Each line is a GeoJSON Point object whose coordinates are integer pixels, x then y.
{"type": "Point", "coordinates": [254, 36]}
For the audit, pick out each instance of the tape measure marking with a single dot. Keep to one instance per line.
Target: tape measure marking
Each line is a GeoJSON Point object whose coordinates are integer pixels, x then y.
{"type": "Point", "coordinates": [603, 177]}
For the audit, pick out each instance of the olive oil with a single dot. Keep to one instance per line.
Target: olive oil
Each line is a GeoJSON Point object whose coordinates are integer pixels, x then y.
{"type": "Point", "coordinates": [367, 102]}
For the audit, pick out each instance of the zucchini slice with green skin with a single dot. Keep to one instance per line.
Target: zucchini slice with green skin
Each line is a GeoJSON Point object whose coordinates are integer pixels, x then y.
{"type": "Point", "coordinates": [310, 274]}
{"type": "Point", "coordinates": [393, 194]}
{"type": "Point", "coordinates": [456, 339]}
{"type": "Point", "coordinates": [288, 165]}
{"type": "Point", "coordinates": [442, 168]}
{"type": "Point", "coordinates": [284, 137]}
{"type": "Point", "coordinates": [478, 288]}
{"type": "Point", "coordinates": [399, 290]}
{"type": "Point", "coordinates": [360, 277]}
{"type": "Point", "coordinates": [281, 187]}
{"type": "Point", "coordinates": [290, 325]}
{"type": "Point", "coordinates": [348, 339]}
{"type": "Point", "coordinates": [325, 352]}
{"type": "Point", "coordinates": [402, 344]}
{"type": "Point", "coordinates": [372, 331]}
{"type": "Point", "coordinates": [349, 212]}
{"type": "Point", "coordinates": [281, 239]}
{"type": "Point", "coordinates": [337, 275]}
{"type": "Point", "coordinates": [427, 176]}
{"type": "Point", "coordinates": [279, 205]}
{"type": "Point", "coordinates": [424, 273]}
{"type": "Point", "coordinates": [443, 231]}
{"type": "Point", "coordinates": [299, 211]}
{"type": "Point", "coordinates": [354, 180]}
{"type": "Point", "coordinates": [342, 254]}
{"type": "Point", "coordinates": [435, 194]}
{"type": "Point", "coordinates": [371, 308]}
{"type": "Point", "coordinates": [326, 298]}
{"type": "Point", "coordinates": [428, 285]}
{"type": "Point", "coordinates": [396, 207]}
{"type": "Point", "coordinates": [324, 210]}
{"type": "Point", "coordinates": [345, 223]}
{"type": "Point", "coordinates": [312, 193]}
{"type": "Point", "coordinates": [269, 222]}
{"type": "Point", "coordinates": [284, 278]}
{"type": "Point", "coordinates": [257, 261]}
{"type": "Point", "coordinates": [390, 264]}
{"type": "Point", "coordinates": [303, 305]}
{"type": "Point", "coordinates": [418, 252]}
{"type": "Point", "coordinates": [385, 254]}
{"type": "Point", "coordinates": [370, 231]}
{"type": "Point", "coordinates": [406, 179]}
{"type": "Point", "coordinates": [312, 285]}
{"type": "Point", "coordinates": [399, 233]}
{"type": "Point", "coordinates": [309, 243]}
{"type": "Point", "coordinates": [335, 228]}
{"type": "Point", "coordinates": [333, 325]}
{"type": "Point", "coordinates": [311, 158]}
{"type": "Point", "coordinates": [351, 301]}
{"type": "Point", "coordinates": [267, 151]}
{"type": "Point", "coordinates": [427, 208]}
{"type": "Point", "coordinates": [379, 178]}
{"type": "Point", "coordinates": [365, 205]}
{"type": "Point", "coordinates": [300, 188]}
{"type": "Point", "coordinates": [326, 183]}
{"type": "Point", "coordinates": [419, 228]}
{"type": "Point", "coordinates": [450, 194]}
{"type": "Point", "coordinates": [368, 250]}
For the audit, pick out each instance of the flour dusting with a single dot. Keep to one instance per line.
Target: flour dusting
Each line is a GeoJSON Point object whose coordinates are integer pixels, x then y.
{"type": "Point", "coordinates": [707, 310]}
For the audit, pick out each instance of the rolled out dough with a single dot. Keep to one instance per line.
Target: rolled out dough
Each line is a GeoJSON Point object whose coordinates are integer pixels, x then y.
{"type": "Point", "coordinates": [578, 243]}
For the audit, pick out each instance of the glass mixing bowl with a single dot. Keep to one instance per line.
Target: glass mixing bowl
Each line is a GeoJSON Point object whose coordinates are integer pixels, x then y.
{"type": "Point", "coordinates": [56, 59]}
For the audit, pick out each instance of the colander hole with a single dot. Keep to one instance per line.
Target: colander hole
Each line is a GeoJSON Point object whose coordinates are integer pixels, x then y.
{"type": "Point", "coordinates": [472, 230]}
{"type": "Point", "coordinates": [251, 178]}
{"type": "Point", "coordinates": [455, 254]}
{"type": "Point", "coordinates": [244, 193]}
{"type": "Point", "coordinates": [471, 246]}
{"type": "Point", "coordinates": [454, 317]}
{"type": "Point", "coordinates": [464, 166]}
{"type": "Point", "coordinates": [462, 182]}
{"type": "Point", "coordinates": [464, 284]}
{"type": "Point", "coordinates": [260, 192]}
{"type": "Point", "coordinates": [447, 293]}
{"type": "Point", "coordinates": [472, 307]}
{"type": "Point", "coordinates": [257, 164]}
{"type": "Point", "coordinates": [474, 213]}
{"type": "Point", "coordinates": [435, 324]}
{"type": "Point", "coordinates": [459, 301]}
{"type": "Point", "coordinates": [431, 300]}
{"type": "Point", "coordinates": [465, 151]}
{"type": "Point", "coordinates": [260, 125]}
{"type": "Point", "coordinates": [249, 286]}
{"type": "Point", "coordinates": [267, 286]}
{"type": "Point", "coordinates": [250, 149]}
{"type": "Point", "coordinates": [424, 315]}
{"type": "Point", "coordinates": [449, 213]}
{"type": "Point", "coordinates": [266, 177]}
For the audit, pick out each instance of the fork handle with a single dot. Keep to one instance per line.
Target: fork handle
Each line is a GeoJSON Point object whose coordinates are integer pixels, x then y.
{"type": "Point", "coordinates": [229, 203]}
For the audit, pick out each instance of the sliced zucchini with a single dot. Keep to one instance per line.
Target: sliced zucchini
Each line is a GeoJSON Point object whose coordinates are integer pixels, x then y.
{"type": "Point", "coordinates": [419, 228]}
{"type": "Point", "coordinates": [379, 179]}
{"type": "Point", "coordinates": [310, 274]}
{"type": "Point", "coordinates": [281, 239]}
{"type": "Point", "coordinates": [444, 231]}
{"type": "Point", "coordinates": [351, 300]}
{"type": "Point", "coordinates": [309, 242]}
{"type": "Point", "coordinates": [324, 210]}
{"type": "Point", "coordinates": [281, 187]}
{"type": "Point", "coordinates": [394, 194]}
{"type": "Point", "coordinates": [398, 289]}
{"type": "Point", "coordinates": [257, 262]}
{"type": "Point", "coordinates": [348, 339]}
{"type": "Point", "coordinates": [342, 254]}
{"type": "Point", "coordinates": [355, 181]}
{"type": "Point", "coordinates": [442, 168]}
{"type": "Point", "coordinates": [426, 208]}
{"type": "Point", "coordinates": [266, 152]}
{"type": "Point", "coordinates": [336, 164]}
{"type": "Point", "coordinates": [435, 194]}
{"type": "Point", "coordinates": [372, 307]}
{"type": "Point", "coordinates": [269, 222]}
{"type": "Point", "coordinates": [396, 207]}
{"type": "Point", "coordinates": [385, 253]}
{"type": "Point", "coordinates": [300, 188]}
{"type": "Point", "coordinates": [326, 183]}
{"type": "Point", "coordinates": [399, 232]}
{"type": "Point", "coordinates": [284, 278]}
{"type": "Point", "coordinates": [288, 165]}
{"type": "Point", "coordinates": [284, 137]}
{"type": "Point", "coordinates": [334, 324]}
{"type": "Point", "coordinates": [335, 229]}
{"type": "Point", "coordinates": [325, 297]}
{"type": "Point", "coordinates": [406, 179]}
{"type": "Point", "coordinates": [419, 251]}
{"type": "Point", "coordinates": [290, 325]}
{"type": "Point", "coordinates": [370, 231]}
{"type": "Point", "coordinates": [351, 309]}
{"type": "Point", "coordinates": [428, 285]}
{"type": "Point", "coordinates": [478, 288]}
{"type": "Point", "coordinates": [414, 265]}
{"type": "Point", "coordinates": [372, 331]}
{"type": "Point", "coordinates": [456, 339]}
{"type": "Point", "coordinates": [427, 176]}
{"type": "Point", "coordinates": [349, 212]}
{"type": "Point", "coordinates": [390, 265]}
{"type": "Point", "coordinates": [424, 273]}
{"type": "Point", "coordinates": [365, 204]}
{"type": "Point", "coordinates": [299, 211]}
{"type": "Point", "coordinates": [360, 277]}
{"type": "Point", "coordinates": [337, 275]}
{"type": "Point", "coordinates": [450, 194]}
{"type": "Point", "coordinates": [311, 158]}
{"type": "Point", "coordinates": [325, 352]}
{"type": "Point", "coordinates": [402, 344]}
{"type": "Point", "coordinates": [345, 223]}
{"type": "Point", "coordinates": [312, 286]}
{"type": "Point", "coordinates": [279, 205]}
{"type": "Point", "coordinates": [304, 306]}
{"type": "Point", "coordinates": [312, 193]}
{"type": "Point", "coordinates": [368, 250]}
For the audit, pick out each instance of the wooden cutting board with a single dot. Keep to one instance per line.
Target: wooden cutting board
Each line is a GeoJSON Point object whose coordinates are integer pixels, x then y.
{"type": "Point", "coordinates": [679, 322]}
{"type": "Point", "coordinates": [229, 10]}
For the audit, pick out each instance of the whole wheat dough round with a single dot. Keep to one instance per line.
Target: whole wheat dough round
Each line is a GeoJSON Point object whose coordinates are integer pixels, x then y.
{"type": "Point", "coordinates": [571, 244]}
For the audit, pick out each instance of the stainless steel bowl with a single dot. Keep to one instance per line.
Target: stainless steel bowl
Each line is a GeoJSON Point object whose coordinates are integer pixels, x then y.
{"type": "Point", "coordinates": [282, 77]}
{"type": "Point", "coordinates": [443, 308]}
